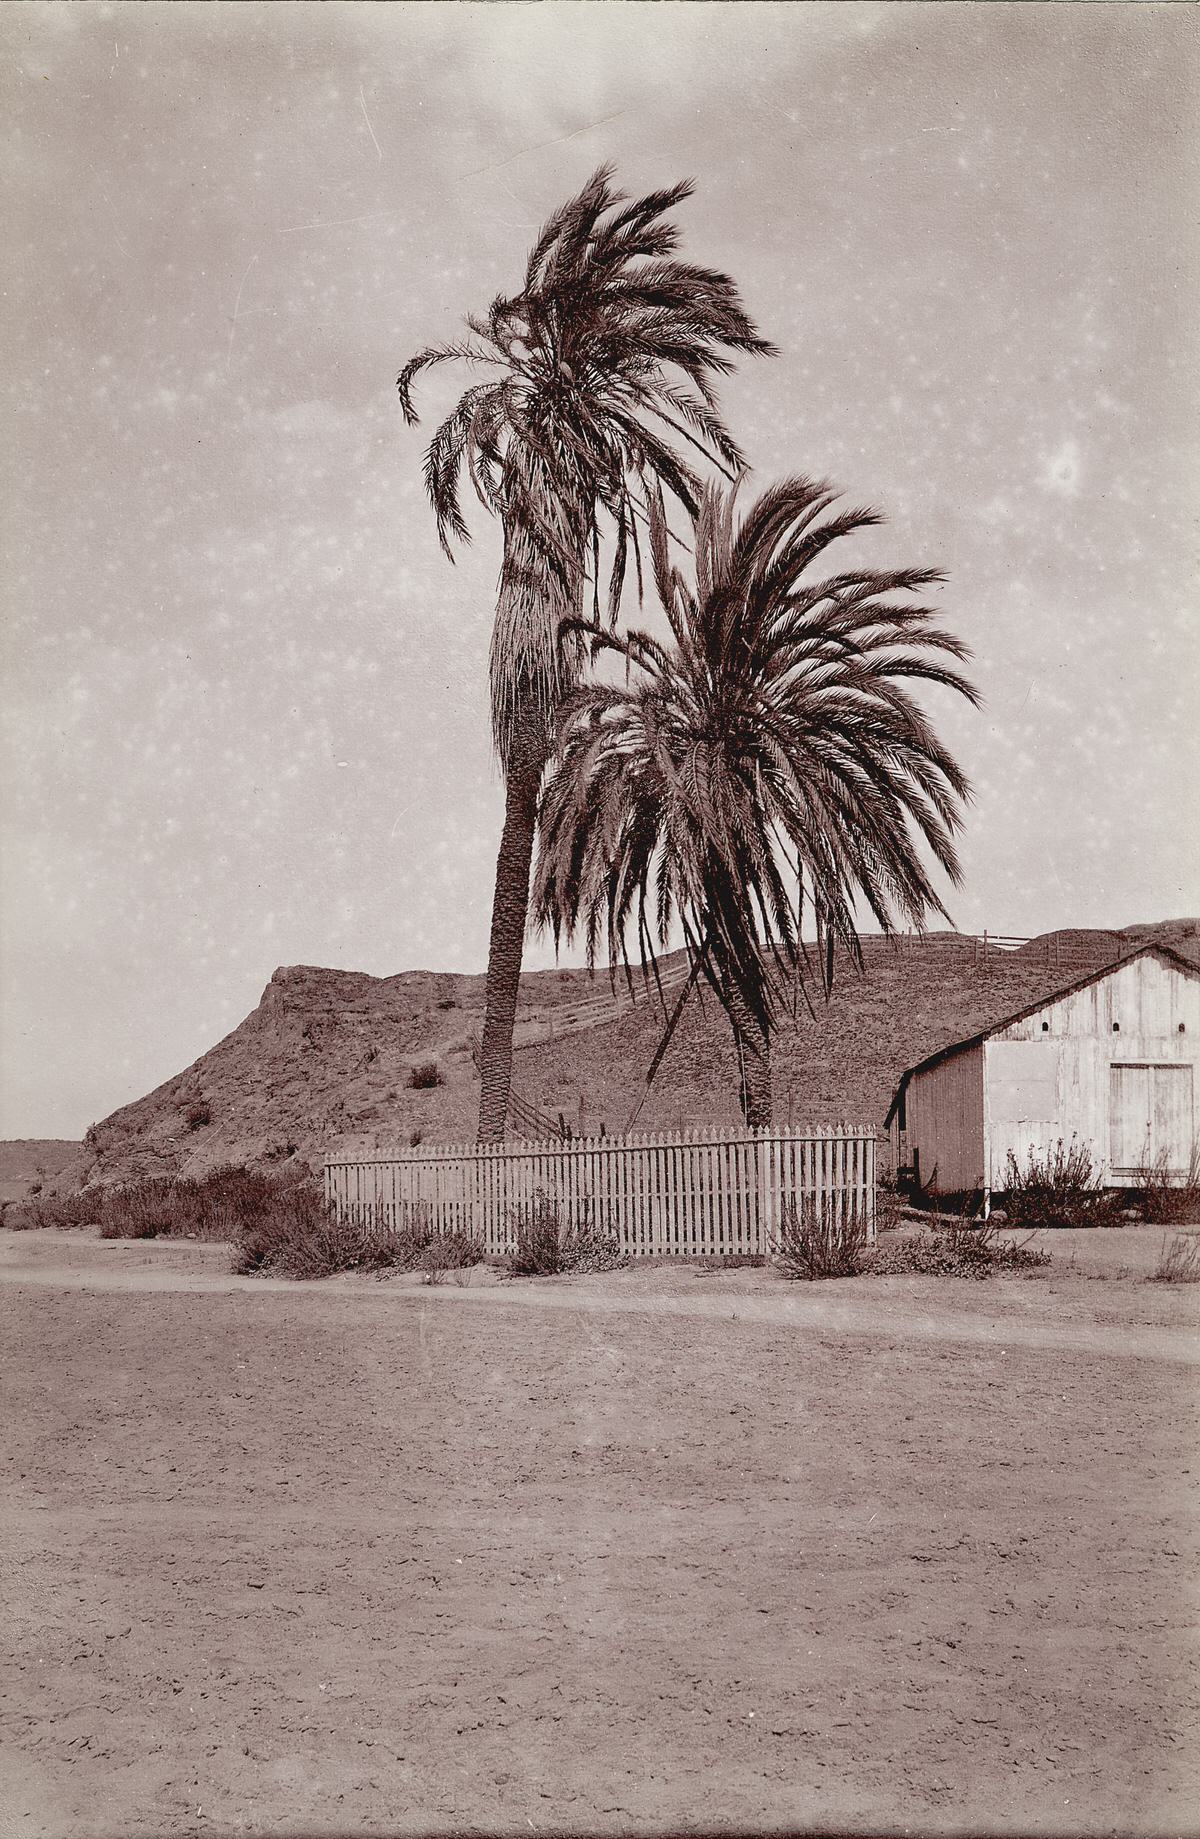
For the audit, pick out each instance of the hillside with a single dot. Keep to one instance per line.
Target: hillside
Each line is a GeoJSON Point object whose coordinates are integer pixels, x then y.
{"type": "Point", "coordinates": [325, 1059]}
{"type": "Point", "coordinates": [28, 1163]}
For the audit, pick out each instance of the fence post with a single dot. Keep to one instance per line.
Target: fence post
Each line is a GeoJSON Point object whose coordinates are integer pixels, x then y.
{"type": "Point", "coordinates": [694, 1191]}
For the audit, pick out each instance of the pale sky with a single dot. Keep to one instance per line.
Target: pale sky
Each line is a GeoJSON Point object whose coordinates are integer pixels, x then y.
{"type": "Point", "coordinates": [245, 695]}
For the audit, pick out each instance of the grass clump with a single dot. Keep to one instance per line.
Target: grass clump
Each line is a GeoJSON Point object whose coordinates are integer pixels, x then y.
{"type": "Point", "coordinates": [815, 1242]}
{"type": "Point", "coordinates": [958, 1248]}
{"type": "Point", "coordinates": [311, 1239]}
{"type": "Point", "coordinates": [548, 1247]}
{"type": "Point", "coordinates": [214, 1206]}
{"type": "Point", "coordinates": [1060, 1188]}
{"type": "Point", "coordinates": [1178, 1262]}
{"type": "Point", "coordinates": [1166, 1202]}
{"type": "Point", "coordinates": [425, 1076]}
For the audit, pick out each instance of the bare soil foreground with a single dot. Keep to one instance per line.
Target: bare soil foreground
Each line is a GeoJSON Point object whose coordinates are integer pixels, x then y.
{"type": "Point", "coordinates": [658, 1551]}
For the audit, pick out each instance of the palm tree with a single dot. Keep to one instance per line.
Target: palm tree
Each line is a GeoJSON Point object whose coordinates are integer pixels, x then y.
{"type": "Point", "coordinates": [597, 370]}
{"type": "Point", "coordinates": [769, 757]}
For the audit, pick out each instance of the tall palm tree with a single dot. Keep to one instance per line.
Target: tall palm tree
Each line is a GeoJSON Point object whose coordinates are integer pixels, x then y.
{"type": "Point", "coordinates": [597, 371]}
{"type": "Point", "coordinates": [768, 757]}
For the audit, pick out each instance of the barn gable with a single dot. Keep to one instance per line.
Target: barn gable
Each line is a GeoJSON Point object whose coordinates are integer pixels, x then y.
{"type": "Point", "coordinates": [1109, 1060]}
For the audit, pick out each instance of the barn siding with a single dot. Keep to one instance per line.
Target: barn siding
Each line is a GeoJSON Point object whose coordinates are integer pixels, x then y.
{"type": "Point", "coordinates": [944, 1122]}
{"type": "Point", "coordinates": [1043, 1083]}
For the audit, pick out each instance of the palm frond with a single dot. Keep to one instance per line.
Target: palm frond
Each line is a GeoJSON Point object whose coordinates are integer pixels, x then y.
{"type": "Point", "coordinates": [767, 765]}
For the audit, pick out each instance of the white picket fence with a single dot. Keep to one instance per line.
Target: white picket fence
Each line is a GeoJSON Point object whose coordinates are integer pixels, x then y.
{"type": "Point", "coordinates": [693, 1193]}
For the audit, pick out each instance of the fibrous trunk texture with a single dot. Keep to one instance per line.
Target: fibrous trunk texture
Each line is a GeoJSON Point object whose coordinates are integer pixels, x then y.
{"type": "Point", "coordinates": [754, 1062]}
{"type": "Point", "coordinates": [510, 905]}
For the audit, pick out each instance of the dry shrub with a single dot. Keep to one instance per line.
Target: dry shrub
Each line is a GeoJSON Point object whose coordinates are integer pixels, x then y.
{"type": "Point", "coordinates": [1164, 1202]}
{"type": "Point", "coordinates": [1058, 1189]}
{"type": "Point", "coordinates": [957, 1248]}
{"type": "Point", "coordinates": [546, 1247]}
{"type": "Point", "coordinates": [314, 1240]}
{"type": "Point", "coordinates": [58, 1212]}
{"type": "Point", "coordinates": [424, 1077]}
{"type": "Point", "coordinates": [455, 1252]}
{"type": "Point", "coordinates": [214, 1206]}
{"type": "Point", "coordinates": [888, 1203]}
{"type": "Point", "coordinates": [1178, 1262]}
{"type": "Point", "coordinates": [815, 1241]}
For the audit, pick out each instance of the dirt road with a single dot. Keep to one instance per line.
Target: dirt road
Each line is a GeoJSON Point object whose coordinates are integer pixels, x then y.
{"type": "Point", "coordinates": [659, 1551]}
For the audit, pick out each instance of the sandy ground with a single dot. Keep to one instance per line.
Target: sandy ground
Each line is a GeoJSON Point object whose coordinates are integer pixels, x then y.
{"type": "Point", "coordinates": [650, 1552]}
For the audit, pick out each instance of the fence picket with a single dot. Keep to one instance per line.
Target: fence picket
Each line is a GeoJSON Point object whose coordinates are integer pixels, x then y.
{"type": "Point", "coordinates": [692, 1192]}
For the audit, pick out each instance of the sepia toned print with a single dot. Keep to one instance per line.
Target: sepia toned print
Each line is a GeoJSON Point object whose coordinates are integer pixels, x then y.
{"type": "Point", "coordinates": [600, 1194]}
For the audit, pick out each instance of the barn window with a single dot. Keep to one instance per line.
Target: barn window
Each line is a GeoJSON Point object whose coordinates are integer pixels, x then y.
{"type": "Point", "coordinates": [1045, 1027]}
{"type": "Point", "coordinates": [1116, 1027]}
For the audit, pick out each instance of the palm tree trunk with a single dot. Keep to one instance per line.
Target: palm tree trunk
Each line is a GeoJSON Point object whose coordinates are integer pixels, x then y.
{"type": "Point", "coordinates": [510, 905]}
{"type": "Point", "coordinates": [753, 1045]}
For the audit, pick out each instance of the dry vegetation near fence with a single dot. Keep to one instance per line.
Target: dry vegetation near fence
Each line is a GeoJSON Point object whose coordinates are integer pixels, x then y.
{"type": "Point", "coordinates": [1179, 1261]}
{"type": "Point", "coordinates": [281, 1226]}
{"type": "Point", "coordinates": [813, 1244]}
{"type": "Point", "coordinates": [547, 1247]}
{"type": "Point", "coordinates": [1166, 1200]}
{"type": "Point", "coordinates": [220, 1205]}
{"type": "Point", "coordinates": [1059, 1187]}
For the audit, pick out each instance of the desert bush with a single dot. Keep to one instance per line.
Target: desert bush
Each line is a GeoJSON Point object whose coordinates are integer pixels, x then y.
{"type": "Point", "coordinates": [449, 1251]}
{"type": "Point", "coordinates": [217, 1206]}
{"type": "Point", "coordinates": [1163, 1202]}
{"type": "Point", "coordinates": [1178, 1262]}
{"type": "Point", "coordinates": [59, 1212]}
{"type": "Point", "coordinates": [1060, 1188]}
{"type": "Point", "coordinates": [198, 1115]}
{"type": "Point", "coordinates": [455, 1252]}
{"type": "Point", "coordinates": [424, 1077]}
{"type": "Point", "coordinates": [307, 1239]}
{"type": "Point", "coordinates": [814, 1241]}
{"type": "Point", "coordinates": [888, 1202]}
{"type": "Point", "coordinates": [546, 1247]}
{"type": "Point", "coordinates": [955, 1248]}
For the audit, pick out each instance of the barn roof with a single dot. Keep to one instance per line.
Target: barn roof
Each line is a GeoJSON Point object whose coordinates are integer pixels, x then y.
{"type": "Point", "coordinates": [1043, 1002]}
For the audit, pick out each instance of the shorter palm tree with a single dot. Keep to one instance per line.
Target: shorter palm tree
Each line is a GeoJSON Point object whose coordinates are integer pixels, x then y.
{"type": "Point", "coordinates": [767, 766]}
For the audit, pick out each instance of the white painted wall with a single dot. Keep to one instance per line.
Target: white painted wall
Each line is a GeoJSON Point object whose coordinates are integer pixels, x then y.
{"type": "Point", "coordinates": [1051, 1076]}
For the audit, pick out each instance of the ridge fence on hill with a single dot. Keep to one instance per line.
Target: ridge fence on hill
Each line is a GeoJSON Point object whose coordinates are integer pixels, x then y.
{"type": "Point", "coordinates": [714, 1192]}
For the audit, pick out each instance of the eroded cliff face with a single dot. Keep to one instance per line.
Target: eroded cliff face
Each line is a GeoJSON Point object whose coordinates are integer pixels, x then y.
{"type": "Point", "coordinates": [325, 1054]}
{"type": "Point", "coordinates": [326, 1058]}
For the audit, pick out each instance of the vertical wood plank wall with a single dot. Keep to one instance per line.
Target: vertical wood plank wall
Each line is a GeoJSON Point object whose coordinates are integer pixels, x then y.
{"type": "Point", "coordinates": [695, 1193]}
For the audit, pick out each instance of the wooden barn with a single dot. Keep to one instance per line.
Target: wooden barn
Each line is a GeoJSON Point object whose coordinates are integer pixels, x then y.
{"type": "Point", "coordinates": [1110, 1061]}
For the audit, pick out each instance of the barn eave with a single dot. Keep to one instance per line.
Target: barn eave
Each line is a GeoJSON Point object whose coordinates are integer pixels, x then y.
{"type": "Point", "coordinates": [1164, 952]}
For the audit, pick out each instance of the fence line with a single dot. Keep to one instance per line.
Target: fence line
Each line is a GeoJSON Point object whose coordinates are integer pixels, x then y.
{"type": "Point", "coordinates": [694, 1193]}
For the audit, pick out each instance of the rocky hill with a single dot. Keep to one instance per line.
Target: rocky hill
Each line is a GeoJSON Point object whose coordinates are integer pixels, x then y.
{"type": "Point", "coordinates": [336, 1058]}
{"type": "Point", "coordinates": [28, 1164]}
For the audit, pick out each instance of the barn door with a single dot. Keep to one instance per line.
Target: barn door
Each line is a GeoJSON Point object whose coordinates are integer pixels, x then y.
{"type": "Point", "coordinates": [1171, 1116]}
{"type": "Point", "coordinates": [1150, 1116]}
{"type": "Point", "coordinates": [1129, 1116]}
